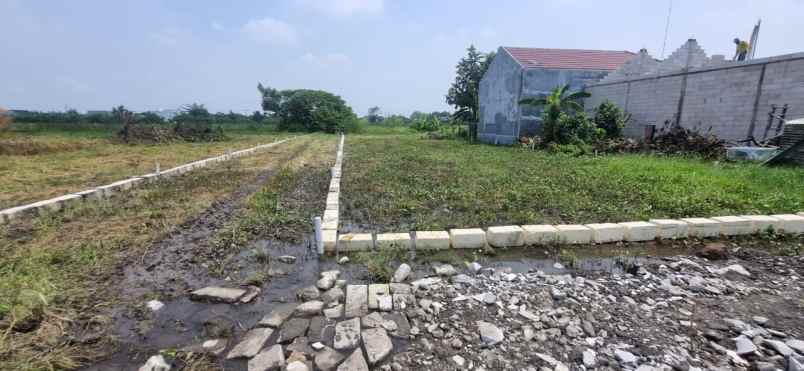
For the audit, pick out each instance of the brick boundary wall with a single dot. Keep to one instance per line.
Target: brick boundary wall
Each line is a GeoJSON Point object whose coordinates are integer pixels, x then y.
{"type": "Point", "coordinates": [571, 234]}
{"type": "Point", "coordinates": [732, 98]}
{"type": "Point", "coordinates": [106, 191]}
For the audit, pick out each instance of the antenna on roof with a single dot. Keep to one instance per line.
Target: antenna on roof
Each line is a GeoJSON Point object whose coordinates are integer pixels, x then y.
{"type": "Point", "coordinates": [667, 27]}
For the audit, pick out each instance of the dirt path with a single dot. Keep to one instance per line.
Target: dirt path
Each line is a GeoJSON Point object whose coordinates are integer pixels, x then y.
{"type": "Point", "coordinates": [181, 262]}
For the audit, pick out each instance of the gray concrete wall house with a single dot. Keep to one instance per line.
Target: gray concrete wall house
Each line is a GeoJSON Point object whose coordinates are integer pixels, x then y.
{"type": "Point", "coordinates": [518, 73]}
{"type": "Point", "coordinates": [695, 91]}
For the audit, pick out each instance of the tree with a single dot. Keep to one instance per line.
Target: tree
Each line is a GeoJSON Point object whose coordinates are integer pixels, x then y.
{"type": "Point", "coordinates": [555, 104]}
{"type": "Point", "coordinates": [271, 98]}
{"type": "Point", "coordinates": [465, 90]}
{"type": "Point", "coordinates": [374, 115]}
{"type": "Point", "coordinates": [315, 110]}
{"type": "Point", "coordinates": [611, 118]}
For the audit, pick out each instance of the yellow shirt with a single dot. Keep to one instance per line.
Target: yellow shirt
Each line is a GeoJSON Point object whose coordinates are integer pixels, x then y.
{"type": "Point", "coordinates": [742, 47]}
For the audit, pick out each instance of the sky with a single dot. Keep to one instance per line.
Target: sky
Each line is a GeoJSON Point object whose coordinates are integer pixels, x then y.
{"type": "Point", "coordinates": [399, 55]}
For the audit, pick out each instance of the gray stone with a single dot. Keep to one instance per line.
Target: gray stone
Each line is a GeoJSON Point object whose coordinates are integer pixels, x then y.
{"type": "Point", "coordinates": [589, 358]}
{"type": "Point", "coordinates": [474, 267]}
{"type": "Point", "coordinates": [310, 308]}
{"type": "Point", "coordinates": [425, 283]}
{"type": "Point", "coordinates": [356, 301]}
{"type": "Point", "coordinates": [334, 312]}
{"type": "Point", "coordinates": [327, 280]}
{"type": "Point", "coordinates": [327, 359]}
{"type": "Point", "coordinates": [251, 344]}
{"type": "Point", "coordinates": [459, 361]}
{"type": "Point", "coordinates": [155, 363]}
{"type": "Point", "coordinates": [375, 291]}
{"type": "Point", "coordinates": [399, 288]}
{"type": "Point", "coordinates": [462, 279]}
{"type": "Point", "coordinates": [251, 293]}
{"type": "Point", "coordinates": [278, 315]}
{"type": "Point", "coordinates": [211, 346]}
{"type": "Point", "coordinates": [744, 345]}
{"type": "Point", "coordinates": [333, 295]}
{"type": "Point", "coordinates": [297, 366]}
{"type": "Point", "coordinates": [343, 260]}
{"type": "Point", "coordinates": [316, 331]}
{"type": "Point", "coordinates": [372, 320]}
{"type": "Point", "coordinates": [287, 259]}
{"type": "Point", "coordinates": [270, 359]}
{"type": "Point", "coordinates": [308, 293]}
{"type": "Point", "coordinates": [401, 322]}
{"type": "Point", "coordinates": [292, 329]}
{"type": "Point", "coordinates": [299, 345]}
{"type": "Point", "coordinates": [402, 273]}
{"type": "Point", "coordinates": [573, 331]}
{"type": "Point", "coordinates": [796, 344]}
{"type": "Point", "coordinates": [779, 347]}
{"type": "Point", "coordinates": [403, 301]}
{"type": "Point", "coordinates": [377, 343]}
{"type": "Point", "coordinates": [355, 362]}
{"type": "Point", "coordinates": [795, 364]}
{"type": "Point", "coordinates": [489, 334]}
{"type": "Point", "coordinates": [385, 303]}
{"type": "Point", "coordinates": [445, 270]}
{"type": "Point", "coordinates": [735, 268]}
{"type": "Point", "coordinates": [347, 334]}
{"type": "Point", "coordinates": [218, 294]}
{"type": "Point", "coordinates": [625, 357]}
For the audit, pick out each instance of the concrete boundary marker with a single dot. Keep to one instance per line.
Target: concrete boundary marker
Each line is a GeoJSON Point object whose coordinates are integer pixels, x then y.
{"type": "Point", "coordinates": [108, 190]}
{"type": "Point", "coordinates": [332, 210]}
{"type": "Point", "coordinates": [572, 234]}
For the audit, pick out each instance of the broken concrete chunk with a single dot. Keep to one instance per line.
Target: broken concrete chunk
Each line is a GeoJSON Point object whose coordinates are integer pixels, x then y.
{"type": "Point", "coordinates": [218, 294]}
{"type": "Point", "coordinates": [271, 359]}
{"type": "Point", "coordinates": [155, 363]}
{"type": "Point", "coordinates": [251, 344]}
{"type": "Point", "coordinates": [355, 362]}
{"type": "Point", "coordinates": [278, 316]}
{"type": "Point", "coordinates": [356, 301]}
{"type": "Point", "coordinates": [377, 343]}
{"type": "Point", "coordinates": [347, 334]}
{"type": "Point", "coordinates": [310, 308]}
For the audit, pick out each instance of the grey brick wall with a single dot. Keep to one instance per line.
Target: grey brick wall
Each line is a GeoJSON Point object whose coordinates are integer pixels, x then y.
{"type": "Point", "coordinates": [721, 97]}
{"type": "Point", "coordinates": [499, 96]}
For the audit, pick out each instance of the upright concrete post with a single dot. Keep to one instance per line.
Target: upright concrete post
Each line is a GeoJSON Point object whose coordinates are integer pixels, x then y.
{"type": "Point", "coordinates": [319, 235]}
{"type": "Point", "coordinates": [158, 171]}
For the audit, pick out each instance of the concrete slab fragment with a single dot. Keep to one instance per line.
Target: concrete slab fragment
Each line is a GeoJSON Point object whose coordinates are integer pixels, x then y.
{"type": "Point", "coordinates": [432, 240]}
{"type": "Point", "coordinates": [330, 214]}
{"type": "Point", "coordinates": [471, 238]}
{"type": "Point", "coordinates": [221, 294]}
{"type": "Point", "coordinates": [671, 228]}
{"type": "Point", "coordinates": [394, 241]}
{"type": "Point", "coordinates": [505, 236]}
{"type": "Point", "coordinates": [606, 232]}
{"type": "Point", "coordinates": [639, 231]}
{"type": "Point", "coordinates": [702, 227]}
{"type": "Point", "coordinates": [355, 242]}
{"type": "Point", "coordinates": [763, 223]}
{"type": "Point", "coordinates": [331, 224]}
{"type": "Point", "coordinates": [251, 343]}
{"type": "Point", "coordinates": [347, 334]}
{"type": "Point", "coordinates": [543, 234]}
{"type": "Point", "coordinates": [356, 301]}
{"type": "Point", "coordinates": [374, 293]}
{"type": "Point", "coordinates": [330, 237]}
{"type": "Point", "coordinates": [791, 223]}
{"type": "Point", "coordinates": [733, 225]}
{"type": "Point", "coordinates": [573, 234]}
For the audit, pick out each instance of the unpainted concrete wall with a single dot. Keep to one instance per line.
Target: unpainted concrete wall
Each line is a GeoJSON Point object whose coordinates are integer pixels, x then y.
{"type": "Point", "coordinates": [732, 99]}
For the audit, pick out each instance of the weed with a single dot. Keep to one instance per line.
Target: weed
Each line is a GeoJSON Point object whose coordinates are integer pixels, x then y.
{"type": "Point", "coordinates": [568, 257]}
{"type": "Point", "coordinates": [380, 263]}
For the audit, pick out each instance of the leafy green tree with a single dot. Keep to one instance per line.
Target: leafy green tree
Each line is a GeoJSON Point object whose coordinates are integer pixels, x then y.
{"type": "Point", "coordinates": [611, 118]}
{"type": "Point", "coordinates": [374, 115]}
{"type": "Point", "coordinates": [271, 98]}
{"type": "Point", "coordinates": [464, 92]}
{"type": "Point", "coordinates": [315, 110]}
{"type": "Point", "coordinates": [558, 102]}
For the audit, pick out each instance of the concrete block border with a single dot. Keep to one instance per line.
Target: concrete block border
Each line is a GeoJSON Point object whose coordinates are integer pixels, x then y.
{"type": "Point", "coordinates": [329, 234]}
{"type": "Point", "coordinates": [108, 190]}
{"type": "Point", "coordinates": [571, 234]}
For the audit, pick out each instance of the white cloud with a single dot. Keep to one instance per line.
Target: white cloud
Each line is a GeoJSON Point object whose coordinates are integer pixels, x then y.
{"type": "Point", "coordinates": [271, 31]}
{"type": "Point", "coordinates": [216, 26]}
{"type": "Point", "coordinates": [338, 60]}
{"type": "Point", "coordinates": [342, 8]}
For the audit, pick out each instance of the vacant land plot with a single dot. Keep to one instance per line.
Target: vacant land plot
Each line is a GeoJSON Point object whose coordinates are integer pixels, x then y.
{"type": "Point", "coordinates": [41, 165]}
{"type": "Point", "coordinates": [404, 182]}
{"type": "Point", "coordinates": [63, 276]}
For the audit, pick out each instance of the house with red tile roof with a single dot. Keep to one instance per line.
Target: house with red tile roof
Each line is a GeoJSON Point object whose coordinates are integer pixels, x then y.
{"type": "Point", "coordinates": [518, 73]}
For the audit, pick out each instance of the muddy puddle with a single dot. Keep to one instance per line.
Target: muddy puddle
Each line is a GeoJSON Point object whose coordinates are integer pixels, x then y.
{"type": "Point", "coordinates": [182, 322]}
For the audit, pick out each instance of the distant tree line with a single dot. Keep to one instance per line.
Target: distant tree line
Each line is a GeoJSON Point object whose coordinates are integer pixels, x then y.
{"type": "Point", "coordinates": [308, 110]}
{"type": "Point", "coordinates": [192, 112]}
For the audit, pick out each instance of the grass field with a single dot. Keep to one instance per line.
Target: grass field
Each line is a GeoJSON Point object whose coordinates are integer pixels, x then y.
{"type": "Point", "coordinates": [58, 271]}
{"type": "Point", "coordinates": [405, 182]}
{"type": "Point", "coordinates": [40, 164]}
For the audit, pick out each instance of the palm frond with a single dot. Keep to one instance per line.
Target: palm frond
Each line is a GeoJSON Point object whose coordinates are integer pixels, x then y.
{"type": "Point", "coordinates": [578, 95]}
{"type": "Point", "coordinates": [534, 101]}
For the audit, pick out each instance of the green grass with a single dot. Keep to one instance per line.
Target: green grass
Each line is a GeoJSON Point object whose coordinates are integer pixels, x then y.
{"type": "Point", "coordinates": [401, 182]}
{"type": "Point", "coordinates": [37, 164]}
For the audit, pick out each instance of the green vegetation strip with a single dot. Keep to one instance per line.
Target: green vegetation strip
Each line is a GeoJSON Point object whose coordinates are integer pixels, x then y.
{"type": "Point", "coordinates": [405, 182]}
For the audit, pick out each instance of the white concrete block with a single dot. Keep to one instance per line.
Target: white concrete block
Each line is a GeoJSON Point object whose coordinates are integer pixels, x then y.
{"type": "Point", "coordinates": [150, 177]}
{"type": "Point", "coordinates": [733, 225]}
{"type": "Point", "coordinates": [330, 214]}
{"type": "Point", "coordinates": [800, 214]}
{"type": "Point", "coordinates": [505, 236]}
{"type": "Point", "coordinates": [762, 223]}
{"type": "Point", "coordinates": [470, 238]}
{"type": "Point", "coordinates": [639, 231]}
{"type": "Point", "coordinates": [543, 234]}
{"type": "Point", "coordinates": [375, 291]}
{"type": "Point", "coordinates": [90, 194]}
{"type": "Point", "coordinates": [671, 228]}
{"type": "Point", "coordinates": [791, 223]}
{"type": "Point", "coordinates": [394, 241]}
{"type": "Point", "coordinates": [355, 242]}
{"type": "Point", "coordinates": [606, 232]}
{"type": "Point", "coordinates": [573, 234]}
{"type": "Point", "coordinates": [702, 227]}
{"type": "Point", "coordinates": [432, 240]}
{"type": "Point", "coordinates": [330, 237]}
{"type": "Point", "coordinates": [332, 200]}
{"type": "Point", "coordinates": [330, 224]}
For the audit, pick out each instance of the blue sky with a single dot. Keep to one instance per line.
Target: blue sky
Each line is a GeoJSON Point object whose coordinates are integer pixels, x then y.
{"type": "Point", "coordinates": [396, 54]}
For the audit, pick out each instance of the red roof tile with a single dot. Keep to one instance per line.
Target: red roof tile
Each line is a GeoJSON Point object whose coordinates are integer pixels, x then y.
{"type": "Point", "coordinates": [571, 59]}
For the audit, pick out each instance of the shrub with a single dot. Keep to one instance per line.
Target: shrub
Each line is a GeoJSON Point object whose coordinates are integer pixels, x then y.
{"type": "Point", "coordinates": [611, 118]}
{"type": "Point", "coordinates": [572, 129]}
{"type": "Point", "coordinates": [426, 124]}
